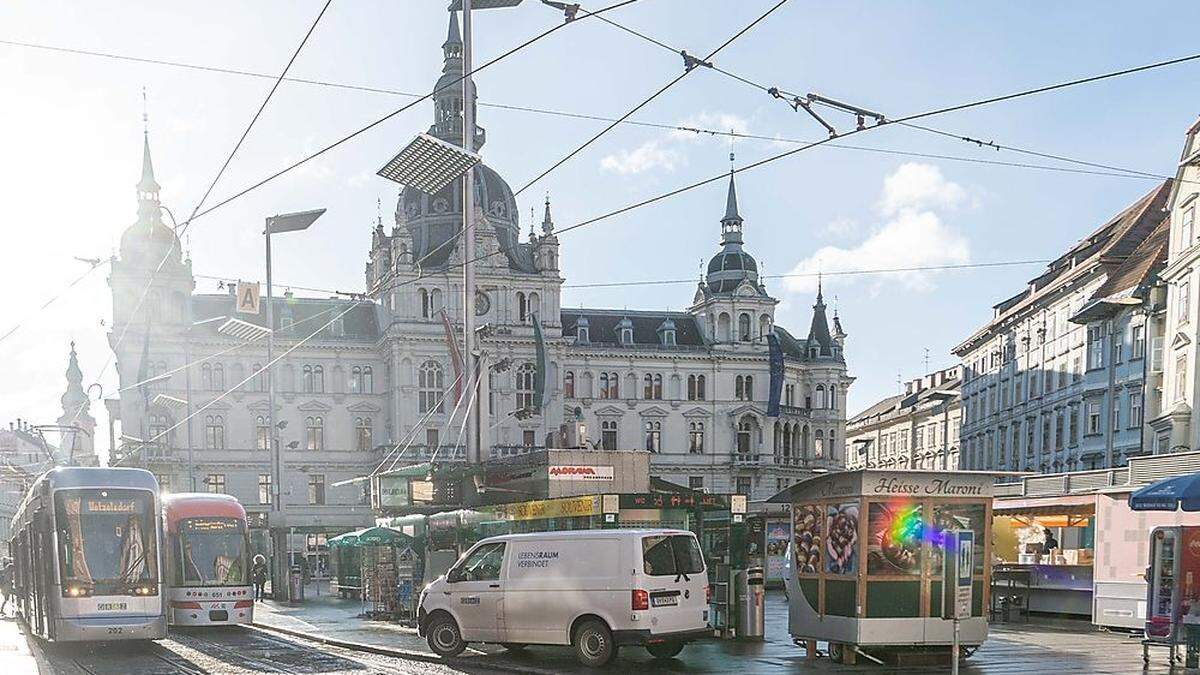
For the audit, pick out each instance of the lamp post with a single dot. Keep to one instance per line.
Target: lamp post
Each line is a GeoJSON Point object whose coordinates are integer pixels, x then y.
{"type": "Point", "coordinates": [276, 521]}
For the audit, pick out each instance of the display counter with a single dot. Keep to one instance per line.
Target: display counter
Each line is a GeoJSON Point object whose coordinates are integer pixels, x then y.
{"type": "Point", "coordinates": [1052, 589]}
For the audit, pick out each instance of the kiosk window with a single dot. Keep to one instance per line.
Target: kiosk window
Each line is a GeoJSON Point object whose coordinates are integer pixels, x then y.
{"type": "Point", "coordinates": [669, 555]}
{"type": "Point", "coordinates": [484, 563]}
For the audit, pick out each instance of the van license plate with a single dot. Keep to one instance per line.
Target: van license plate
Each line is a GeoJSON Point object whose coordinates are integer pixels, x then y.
{"type": "Point", "coordinates": [664, 600]}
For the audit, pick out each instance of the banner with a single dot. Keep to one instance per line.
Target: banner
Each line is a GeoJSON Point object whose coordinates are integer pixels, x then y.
{"type": "Point", "coordinates": [776, 361]}
{"type": "Point", "coordinates": [455, 357]}
{"type": "Point", "coordinates": [579, 472]}
{"type": "Point", "coordinates": [540, 390]}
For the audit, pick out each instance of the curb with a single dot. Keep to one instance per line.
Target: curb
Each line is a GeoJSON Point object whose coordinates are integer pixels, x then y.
{"type": "Point", "coordinates": [397, 653]}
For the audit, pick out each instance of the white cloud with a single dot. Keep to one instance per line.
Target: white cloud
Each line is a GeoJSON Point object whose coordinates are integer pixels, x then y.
{"type": "Point", "coordinates": [842, 227]}
{"type": "Point", "coordinates": [647, 156]}
{"type": "Point", "coordinates": [913, 235]}
{"type": "Point", "coordinates": [919, 186]}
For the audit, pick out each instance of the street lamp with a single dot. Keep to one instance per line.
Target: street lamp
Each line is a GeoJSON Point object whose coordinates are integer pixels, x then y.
{"type": "Point", "coordinates": [276, 521]}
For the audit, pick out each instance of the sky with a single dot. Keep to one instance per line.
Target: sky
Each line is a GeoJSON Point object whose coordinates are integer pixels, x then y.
{"type": "Point", "coordinates": [71, 125]}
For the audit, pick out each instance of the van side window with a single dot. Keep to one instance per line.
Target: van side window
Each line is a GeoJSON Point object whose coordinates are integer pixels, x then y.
{"type": "Point", "coordinates": [484, 563]}
{"type": "Point", "coordinates": [669, 555]}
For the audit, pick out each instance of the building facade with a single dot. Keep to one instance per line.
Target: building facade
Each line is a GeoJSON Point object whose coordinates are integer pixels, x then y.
{"type": "Point", "coordinates": [1172, 426]}
{"type": "Point", "coordinates": [916, 430]}
{"type": "Point", "coordinates": [1056, 380]}
{"type": "Point", "coordinates": [372, 382]}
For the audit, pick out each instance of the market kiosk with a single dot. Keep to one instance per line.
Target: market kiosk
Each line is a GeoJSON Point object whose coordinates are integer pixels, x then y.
{"type": "Point", "coordinates": [868, 559]}
{"type": "Point", "coordinates": [346, 559]}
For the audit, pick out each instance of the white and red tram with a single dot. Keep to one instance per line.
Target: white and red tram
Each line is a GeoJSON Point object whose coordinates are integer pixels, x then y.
{"type": "Point", "coordinates": [207, 545]}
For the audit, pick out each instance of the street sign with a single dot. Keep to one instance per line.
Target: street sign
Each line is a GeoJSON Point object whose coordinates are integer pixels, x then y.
{"type": "Point", "coordinates": [247, 297]}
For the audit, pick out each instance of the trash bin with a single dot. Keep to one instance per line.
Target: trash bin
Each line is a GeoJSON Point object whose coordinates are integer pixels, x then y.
{"type": "Point", "coordinates": [751, 600]}
{"type": "Point", "coordinates": [1192, 634]}
{"type": "Point", "coordinates": [295, 584]}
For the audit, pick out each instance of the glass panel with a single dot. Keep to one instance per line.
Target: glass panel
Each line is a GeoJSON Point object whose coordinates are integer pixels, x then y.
{"type": "Point", "coordinates": [842, 548]}
{"type": "Point", "coordinates": [213, 552]}
{"type": "Point", "coordinates": [807, 521]}
{"type": "Point", "coordinates": [895, 532]}
{"type": "Point", "coordinates": [484, 563]}
{"type": "Point", "coordinates": [107, 539]}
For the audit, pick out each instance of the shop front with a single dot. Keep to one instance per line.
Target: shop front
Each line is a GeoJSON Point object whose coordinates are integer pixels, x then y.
{"type": "Point", "coordinates": [868, 554]}
{"type": "Point", "coordinates": [1044, 555]}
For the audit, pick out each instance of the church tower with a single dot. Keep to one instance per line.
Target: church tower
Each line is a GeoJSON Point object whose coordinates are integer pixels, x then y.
{"type": "Point", "coordinates": [78, 426]}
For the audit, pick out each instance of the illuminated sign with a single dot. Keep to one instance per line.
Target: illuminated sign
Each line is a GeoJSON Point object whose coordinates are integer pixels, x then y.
{"type": "Point", "coordinates": [113, 506]}
{"type": "Point", "coordinates": [210, 525]}
{"type": "Point", "coordinates": [393, 491]}
{"type": "Point", "coordinates": [550, 508]}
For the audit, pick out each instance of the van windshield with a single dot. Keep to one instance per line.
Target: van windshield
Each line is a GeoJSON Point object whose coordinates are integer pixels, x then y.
{"type": "Point", "coordinates": [671, 555]}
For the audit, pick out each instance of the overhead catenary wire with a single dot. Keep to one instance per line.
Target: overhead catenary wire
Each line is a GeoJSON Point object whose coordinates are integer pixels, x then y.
{"type": "Point", "coordinates": [687, 70]}
{"type": "Point", "coordinates": [52, 299]}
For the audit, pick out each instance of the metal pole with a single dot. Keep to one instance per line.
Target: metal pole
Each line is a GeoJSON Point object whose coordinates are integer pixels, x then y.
{"type": "Point", "coordinates": [954, 653]}
{"type": "Point", "coordinates": [473, 454]}
{"type": "Point", "coordinates": [187, 384]}
{"type": "Point", "coordinates": [275, 522]}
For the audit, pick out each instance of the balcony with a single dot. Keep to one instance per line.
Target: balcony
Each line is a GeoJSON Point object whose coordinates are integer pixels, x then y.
{"type": "Point", "coordinates": [746, 459]}
{"type": "Point", "coordinates": [497, 451]}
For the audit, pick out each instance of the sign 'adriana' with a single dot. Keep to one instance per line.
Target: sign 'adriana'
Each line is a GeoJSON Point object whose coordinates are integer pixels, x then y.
{"type": "Point", "coordinates": [580, 472]}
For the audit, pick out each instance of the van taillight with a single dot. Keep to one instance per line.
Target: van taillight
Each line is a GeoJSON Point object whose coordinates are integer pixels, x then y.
{"type": "Point", "coordinates": [707, 593]}
{"type": "Point", "coordinates": [639, 600]}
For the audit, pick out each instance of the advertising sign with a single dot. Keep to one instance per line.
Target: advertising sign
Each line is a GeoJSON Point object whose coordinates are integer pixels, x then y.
{"type": "Point", "coordinates": [248, 297]}
{"type": "Point", "coordinates": [959, 571]}
{"type": "Point", "coordinates": [393, 491]}
{"type": "Point", "coordinates": [550, 508]}
{"type": "Point", "coordinates": [580, 472]}
{"type": "Point", "coordinates": [777, 541]}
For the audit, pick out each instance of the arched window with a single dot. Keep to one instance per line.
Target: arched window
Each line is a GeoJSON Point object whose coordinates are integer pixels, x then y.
{"type": "Point", "coordinates": [535, 305]}
{"type": "Point", "coordinates": [648, 387]}
{"type": "Point", "coordinates": [368, 380]}
{"type": "Point", "coordinates": [614, 386]}
{"type": "Point", "coordinates": [833, 403]}
{"type": "Point", "coordinates": [362, 428]}
{"type": "Point", "coordinates": [218, 377]}
{"type": "Point", "coordinates": [819, 448]}
{"type": "Point", "coordinates": [262, 433]}
{"type": "Point", "coordinates": [522, 308]}
{"type": "Point", "coordinates": [423, 296]}
{"type": "Point", "coordinates": [355, 379]}
{"type": "Point", "coordinates": [739, 388]}
{"type": "Point", "coordinates": [214, 432]}
{"type": "Point", "coordinates": [158, 430]}
{"type": "Point", "coordinates": [804, 442]}
{"type": "Point", "coordinates": [700, 393]}
{"type": "Point", "coordinates": [431, 385]}
{"type": "Point", "coordinates": [314, 428]}
{"type": "Point", "coordinates": [764, 326]}
{"type": "Point", "coordinates": [319, 379]}
{"type": "Point", "coordinates": [206, 381]}
{"type": "Point", "coordinates": [436, 303]}
{"type": "Point", "coordinates": [745, 429]}
{"type": "Point", "coordinates": [691, 388]}
{"type": "Point", "coordinates": [603, 385]}
{"type": "Point", "coordinates": [749, 387]}
{"type": "Point", "coordinates": [525, 376]}
{"type": "Point", "coordinates": [657, 387]}
{"type": "Point", "coordinates": [776, 438]}
{"type": "Point", "coordinates": [568, 384]}
{"type": "Point", "coordinates": [787, 441]}
{"type": "Point", "coordinates": [744, 328]}
{"type": "Point", "coordinates": [820, 403]}
{"type": "Point", "coordinates": [308, 379]}
{"type": "Point", "coordinates": [724, 328]}
{"type": "Point", "coordinates": [654, 436]}
{"type": "Point", "coordinates": [832, 447]}
{"type": "Point", "coordinates": [696, 437]}
{"type": "Point", "coordinates": [608, 434]}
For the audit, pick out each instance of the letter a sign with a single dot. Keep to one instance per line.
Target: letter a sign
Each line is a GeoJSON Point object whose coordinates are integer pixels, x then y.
{"type": "Point", "coordinates": [247, 297]}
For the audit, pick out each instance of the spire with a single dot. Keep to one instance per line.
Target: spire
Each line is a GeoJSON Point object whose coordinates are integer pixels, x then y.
{"type": "Point", "coordinates": [820, 298]}
{"type": "Point", "coordinates": [147, 186]}
{"type": "Point", "coordinates": [818, 334]}
{"type": "Point", "coordinates": [453, 34]}
{"type": "Point", "coordinates": [731, 224]}
{"type": "Point", "coordinates": [74, 400]}
{"type": "Point", "coordinates": [547, 221]}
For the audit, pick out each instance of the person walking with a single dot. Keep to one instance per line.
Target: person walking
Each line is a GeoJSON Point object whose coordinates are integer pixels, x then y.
{"type": "Point", "coordinates": [258, 574]}
{"type": "Point", "coordinates": [6, 585]}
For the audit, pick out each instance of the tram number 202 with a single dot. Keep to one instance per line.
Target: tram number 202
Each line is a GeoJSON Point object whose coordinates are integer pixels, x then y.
{"type": "Point", "coordinates": [115, 630]}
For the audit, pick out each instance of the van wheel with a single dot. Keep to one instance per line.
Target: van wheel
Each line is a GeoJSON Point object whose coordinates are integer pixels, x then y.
{"type": "Point", "coordinates": [593, 644]}
{"type": "Point", "coordinates": [513, 646]}
{"type": "Point", "coordinates": [665, 650]}
{"type": "Point", "coordinates": [445, 639]}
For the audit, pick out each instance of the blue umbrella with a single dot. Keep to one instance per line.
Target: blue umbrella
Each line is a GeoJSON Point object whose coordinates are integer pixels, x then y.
{"type": "Point", "coordinates": [1168, 495]}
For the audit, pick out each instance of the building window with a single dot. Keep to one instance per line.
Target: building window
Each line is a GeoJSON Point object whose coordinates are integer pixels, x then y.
{"type": "Point", "coordinates": [159, 424]}
{"type": "Point", "coordinates": [569, 384]}
{"type": "Point", "coordinates": [431, 386]}
{"type": "Point", "coordinates": [316, 489]}
{"type": "Point", "coordinates": [652, 387]}
{"type": "Point", "coordinates": [1073, 426]}
{"type": "Point", "coordinates": [1186, 228]}
{"type": "Point", "coordinates": [314, 433]}
{"type": "Point", "coordinates": [431, 437]}
{"type": "Point", "coordinates": [696, 438]}
{"type": "Point", "coordinates": [626, 336]}
{"type": "Point", "coordinates": [610, 385]}
{"type": "Point", "coordinates": [164, 482]}
{"type": "Point", "coordinates": [259, 383]}
{"type": "Point", "coordinates": [695, 385]}
{"type": "Point", "coordinates": [522, 308]}
{"type": "Point", "coordinates": [744, 328]}
{"type": "Point", "coordinates": [581, 332]}
{"type": "Point", "coordinates": [308, 379]}
{"type": "Point", "coordinates": [525, 376]}
{"type": "Point", "coordinates": [262, 433]}
{"type": "Point", "coordinates": [264, 488]}
{"type": "Point", "coordinates": [362, 429]}
{"type": "Point", "coordinates": [206, 381]}
{"type": "Point", "coordinates": [654, 436]}
{"type": "Point", "coordinates": [1181, 381]}
{"type": "Point", "coordinates": [668, 337]}
{"type": "Point", "coordinates": [214, 432]}
{"type": "Point", "coordinates": [1139, 342]}
{"type": "Point", "coordinates": [1093, 418]}
{"type": "Point", "coordinates": [696, 483]}
{"type": "Point", "coordinates": [318, 379]}
{"type": "Point", "coordinates": [608, 435]}
{"type": "Point", "coordinates": [1135, 408]}
{"type": "Point", "coordinates": [215, 482]}
{"type": "Point", "coordinates": [218, 377]}
{"type": "Point", "coordinates": [1095, 347]}
{"type": "Point", "coordinates": [745, 429]}
{"type": "Point", "coordinates": [1183, 307]}
{"type": "Point", "coordinates": [744, 485]}
{"type": "Point", "coordinates": [529, 438]}
{"type": "Point", "coordinates": [1060, 435]}
{"type": "Point", "coordinates": [426, 310]}
{"type": "Point", "coordinates": [743, 389]}
{"type": "Point", "coordinates": [1116, 413]}
{"type": "Point", "coordinates": [833, 404]}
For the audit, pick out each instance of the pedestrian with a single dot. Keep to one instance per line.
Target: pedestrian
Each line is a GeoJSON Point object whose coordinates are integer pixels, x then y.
{"type": "Point", "coordinates": [6, 584]}
{"type": "Point", "coordinates": [258, 574]}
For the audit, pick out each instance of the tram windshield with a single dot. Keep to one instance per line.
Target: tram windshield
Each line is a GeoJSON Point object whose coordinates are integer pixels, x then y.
{"type": "Point", "coordinates": [212, 552]}
{"type": "Point", "coordinates": [108, 543]}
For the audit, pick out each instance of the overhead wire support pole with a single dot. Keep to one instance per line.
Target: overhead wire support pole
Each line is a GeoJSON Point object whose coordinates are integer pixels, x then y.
{"type": "Point", "coordinates": [473, 454]}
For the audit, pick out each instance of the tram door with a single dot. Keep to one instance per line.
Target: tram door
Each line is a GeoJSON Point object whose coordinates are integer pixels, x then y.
{"type": "Point", "coordinates": [43, 555]}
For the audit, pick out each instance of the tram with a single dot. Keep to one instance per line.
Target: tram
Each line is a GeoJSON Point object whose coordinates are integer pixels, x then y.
{"type": "Point", "coordinates": [207, 560]}
{"type": "Point", "coordinates": [85, 545]}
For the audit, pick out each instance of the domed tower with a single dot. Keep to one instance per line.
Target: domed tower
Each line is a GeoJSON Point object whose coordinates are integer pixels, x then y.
{"type": "Point", "coordinates": [78, 425]}
{"type": "Point", "coordinates": [151, 281]}
{"type": "Point", "coordinates": [432, 221]}
{"type": "Point", "coordinates": [732, 304]}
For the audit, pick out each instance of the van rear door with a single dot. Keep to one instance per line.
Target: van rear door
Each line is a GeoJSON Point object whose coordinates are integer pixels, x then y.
{"type": "Point", "coordinates": [675, 580]}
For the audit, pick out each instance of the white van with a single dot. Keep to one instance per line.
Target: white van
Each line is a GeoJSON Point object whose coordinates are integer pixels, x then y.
{"type": "Point", "coordinates": [592, 589]}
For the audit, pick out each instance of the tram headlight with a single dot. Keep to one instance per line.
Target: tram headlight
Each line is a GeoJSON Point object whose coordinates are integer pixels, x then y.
{"type": "Point", "coordinates": [145, 589]}
{"type": "Point", "coordinates": [76, 591]}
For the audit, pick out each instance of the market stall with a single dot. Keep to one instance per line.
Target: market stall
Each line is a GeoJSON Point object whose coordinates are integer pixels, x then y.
{"type": "Point", "coordinates": [387, 570]}
{"type": "Point", "coordinates": [346, 559]}
{"type": "Point", "coordinates": [868, 559]}
{"type": "Point", "coordinates": [1043, 555]}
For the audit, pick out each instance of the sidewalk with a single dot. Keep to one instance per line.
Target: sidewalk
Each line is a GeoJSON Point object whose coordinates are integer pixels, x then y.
{"type": "Point", "coordinates": [15, 653]}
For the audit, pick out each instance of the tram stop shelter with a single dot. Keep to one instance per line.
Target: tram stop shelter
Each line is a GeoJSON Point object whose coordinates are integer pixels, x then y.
{"type": "Point", "coordinates": [867, 558]}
